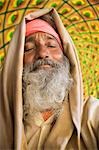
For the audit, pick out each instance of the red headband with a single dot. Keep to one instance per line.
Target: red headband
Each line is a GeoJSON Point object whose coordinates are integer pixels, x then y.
{"type": "Point", "coordinates": [41, 25]}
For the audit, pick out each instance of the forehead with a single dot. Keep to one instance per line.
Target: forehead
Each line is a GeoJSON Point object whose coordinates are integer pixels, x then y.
{"type": "Point", "coordinates": [40, 35]}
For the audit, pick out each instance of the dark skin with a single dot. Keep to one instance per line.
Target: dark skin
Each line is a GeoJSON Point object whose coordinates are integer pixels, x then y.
{"type": "Point", "coordinates": [42, 45]}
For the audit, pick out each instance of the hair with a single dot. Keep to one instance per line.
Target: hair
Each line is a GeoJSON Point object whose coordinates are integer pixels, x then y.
{"type": "Point", "coordinates": [48, 18]}
{"type": "Point", "coordinates": [46, 89]}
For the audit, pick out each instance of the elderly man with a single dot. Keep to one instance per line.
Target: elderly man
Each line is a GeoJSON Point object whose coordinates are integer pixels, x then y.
{"type": "Point", "coordinates": [41, 90]}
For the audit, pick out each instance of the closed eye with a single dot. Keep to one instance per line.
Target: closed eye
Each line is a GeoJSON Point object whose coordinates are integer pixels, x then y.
{"type": "Point", "coordinates": [26, 50]}
{"type": "Point", "coordinates": [52, 46]}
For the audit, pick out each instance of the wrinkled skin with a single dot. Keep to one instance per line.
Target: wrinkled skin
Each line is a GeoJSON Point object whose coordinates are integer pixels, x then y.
{"type": "Point", "coordinates": [46, 77]}
{"type": "Point", "coordinates": [42, 45]}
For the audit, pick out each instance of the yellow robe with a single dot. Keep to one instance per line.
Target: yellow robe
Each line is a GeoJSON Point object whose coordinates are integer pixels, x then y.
{"type": "Point", "coordinates": [60, 133]}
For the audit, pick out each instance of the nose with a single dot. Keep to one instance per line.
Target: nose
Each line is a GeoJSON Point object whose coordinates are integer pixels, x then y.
{"type": "Point", "coordinates": [43, 53]}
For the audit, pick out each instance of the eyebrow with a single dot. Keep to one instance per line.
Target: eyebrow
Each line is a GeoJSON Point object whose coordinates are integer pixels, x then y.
{"type": "Point", "coordinates": [30, 39]}
{"type": "Point", "coordinates": [50, 37]}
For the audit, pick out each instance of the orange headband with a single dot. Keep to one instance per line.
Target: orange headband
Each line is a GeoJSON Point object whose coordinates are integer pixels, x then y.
{"type": "Point", "coordinates": [41, 25]}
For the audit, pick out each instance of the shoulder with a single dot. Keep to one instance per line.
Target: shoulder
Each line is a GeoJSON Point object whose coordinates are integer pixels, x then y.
{"type": "Point", "coordinates": [91, 112]}
{"type": "Point", "coordinates": [90, 123]}
{"type": "Point", "coordinates": [91, 104]}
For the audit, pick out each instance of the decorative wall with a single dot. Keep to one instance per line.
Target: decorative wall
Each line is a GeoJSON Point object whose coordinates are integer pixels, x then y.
{"type": "Point", "coordinates": [81, 19]}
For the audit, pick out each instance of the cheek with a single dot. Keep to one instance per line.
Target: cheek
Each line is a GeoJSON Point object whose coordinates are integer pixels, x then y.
{"type": "Point", "coordinates": [28, 58]}
{"type": "Point", "coordinates": [58, 55]}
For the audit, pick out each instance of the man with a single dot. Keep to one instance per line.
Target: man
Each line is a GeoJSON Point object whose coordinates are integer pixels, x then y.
{"type": "Point", "coordinates": [41, 90]}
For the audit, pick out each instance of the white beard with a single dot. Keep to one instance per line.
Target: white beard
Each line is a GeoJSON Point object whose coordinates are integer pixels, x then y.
{"type": "Point", "coordinates": [45, 89]}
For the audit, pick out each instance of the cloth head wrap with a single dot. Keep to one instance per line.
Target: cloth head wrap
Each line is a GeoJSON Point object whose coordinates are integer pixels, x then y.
{"type": "Point", "coordinates": [42, 26]}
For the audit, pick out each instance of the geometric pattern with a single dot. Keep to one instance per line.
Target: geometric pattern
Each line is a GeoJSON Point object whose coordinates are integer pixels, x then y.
{"type": "Point", "coordinates": [81, 19]}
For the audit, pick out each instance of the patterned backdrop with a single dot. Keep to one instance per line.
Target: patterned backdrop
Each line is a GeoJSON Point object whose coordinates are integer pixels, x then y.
{"type": "Point", "coordinates": [80, 17]}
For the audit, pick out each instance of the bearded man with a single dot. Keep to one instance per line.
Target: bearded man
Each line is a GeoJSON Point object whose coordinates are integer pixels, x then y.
{"type": "Point", "coordinates": [41, 90]}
